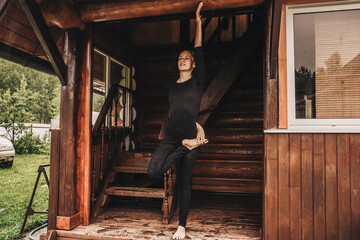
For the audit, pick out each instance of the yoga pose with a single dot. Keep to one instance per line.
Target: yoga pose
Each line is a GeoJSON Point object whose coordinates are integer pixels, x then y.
{"type": "Point", "coordinates": [183, 134]}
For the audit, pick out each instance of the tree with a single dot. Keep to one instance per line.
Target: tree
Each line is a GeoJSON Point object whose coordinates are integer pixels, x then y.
{"type": "Point", "coordinates": [43, 89]}
{"type": "Point", "coordinates": [14, 108]}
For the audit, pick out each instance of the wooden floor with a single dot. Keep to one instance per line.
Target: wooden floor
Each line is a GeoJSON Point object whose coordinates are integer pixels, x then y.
{"type": "Point", "coordinates": [212, 216]}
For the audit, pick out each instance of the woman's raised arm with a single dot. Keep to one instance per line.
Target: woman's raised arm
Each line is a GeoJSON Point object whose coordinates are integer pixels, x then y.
{"type": "Point", "coordinates": [198, 34]}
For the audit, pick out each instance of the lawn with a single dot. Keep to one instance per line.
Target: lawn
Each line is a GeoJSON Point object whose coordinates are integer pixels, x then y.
{"type": "Point", "coordinates": [16, 186]}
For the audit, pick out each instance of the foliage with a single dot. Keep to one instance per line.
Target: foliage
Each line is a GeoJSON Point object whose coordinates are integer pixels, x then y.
{"type": "Point", "coordinates": [38, 93]}
{"type": "Point", "coordinates": [14, 108]}
{"type": "Point", "coordinates": [30, 144]}
{"type": "Point", "coordinates": [17, 184]}
{"type": "Point", "coordinates": [305, 81]}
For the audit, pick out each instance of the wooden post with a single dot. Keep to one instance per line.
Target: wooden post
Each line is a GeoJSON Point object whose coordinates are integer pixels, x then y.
{"type": "Point", "coordinates": [54, 179]}
{"type": "Point", "coordinates": [84, 127]}
{"type": "Point", "coordinates": [283, 118]}
{"type": "Point", "coordinates": [270, 84]}
{"type": "Point", "coordinates": [67, 218]}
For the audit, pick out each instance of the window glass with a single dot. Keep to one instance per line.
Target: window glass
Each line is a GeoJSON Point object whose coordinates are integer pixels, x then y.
{"type": "Point", "coordinates": [327, 64]}
{"type": "Point", "coordinates": [99, 82]}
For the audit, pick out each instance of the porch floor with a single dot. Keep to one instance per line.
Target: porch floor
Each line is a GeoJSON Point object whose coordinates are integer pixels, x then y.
{"type": "Point", "coordinates": [212, 216]}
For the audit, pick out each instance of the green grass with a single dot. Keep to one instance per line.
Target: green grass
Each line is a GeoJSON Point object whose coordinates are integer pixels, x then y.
{"type": "Point", "coordinates": [16, 186]}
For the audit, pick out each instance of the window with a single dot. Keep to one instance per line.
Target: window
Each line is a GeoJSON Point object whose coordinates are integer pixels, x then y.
{"type": "Point", "coordinates": [109, 71]}
{"type": "Point", "coordinates": [323, 54]}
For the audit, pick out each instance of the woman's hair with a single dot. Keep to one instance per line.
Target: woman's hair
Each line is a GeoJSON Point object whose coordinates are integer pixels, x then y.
{"type": "Point", "coordinates": [189, 50]}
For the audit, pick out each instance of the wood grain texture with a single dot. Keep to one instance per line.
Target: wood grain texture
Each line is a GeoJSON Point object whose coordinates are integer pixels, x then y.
{"type": "Point", "coordinates": [271, 230]}
{"type": "Point", "coordinates": [275, 34]}
{"type": "Point", "coordinates": [84, 127]}
{"type": "Point", "coordinates": [54, 179]}
{"type": "Point", "coordinates": [295, 187]}
{"type": "Point", "coordinates": [283, 123]}
{"type": "Point", "coordinates": [211, 216]}
{"type": "Point", "coordinates": [68, 122]}
{"type": "Point", "coordinates": [292, 2]}
{"type": "Point", "coordinates": [355, 185]}
{"type": "Point", "coordinates": [323, 185]}
{"type": "Point", "coordinates": [331, 190]}
{"type": "Point", "coordinates": [33, 13]}
{"type": "Point", "coordinates": [284, 190]}
{"type": "Point", "coordinates": [307, 186]}
{"type": "Point", "coordinates": [344, 206]}
{"type": "Point", "coordinates": [115, 10]}
{"type": "Point", "coordinates": [319, 186]}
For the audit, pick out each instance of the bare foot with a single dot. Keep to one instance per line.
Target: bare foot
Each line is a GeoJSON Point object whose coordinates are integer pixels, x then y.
{"type": "Point", "coordinates": [180, 233]}
{"type": "Point", "coordinates": [193, 143]}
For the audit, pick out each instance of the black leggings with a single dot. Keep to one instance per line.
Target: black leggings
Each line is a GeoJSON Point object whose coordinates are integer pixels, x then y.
{"type": "Point", "coordinates": [167, 152]}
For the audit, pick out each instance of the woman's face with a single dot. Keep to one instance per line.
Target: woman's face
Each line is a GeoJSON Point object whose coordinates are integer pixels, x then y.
{"type": "Point", "coordinates": [186, 61]}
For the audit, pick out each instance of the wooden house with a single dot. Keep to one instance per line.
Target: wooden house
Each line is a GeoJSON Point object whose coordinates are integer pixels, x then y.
{"type": "Point", "coordinates": [281, 111]}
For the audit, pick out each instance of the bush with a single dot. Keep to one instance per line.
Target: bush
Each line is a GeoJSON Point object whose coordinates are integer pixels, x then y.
{"type": "Point", "coordinates": [30, 144]}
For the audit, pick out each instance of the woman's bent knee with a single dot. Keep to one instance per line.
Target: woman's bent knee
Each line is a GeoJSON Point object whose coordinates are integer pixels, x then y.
{"type": "Point", "coordinates": [153, 174]}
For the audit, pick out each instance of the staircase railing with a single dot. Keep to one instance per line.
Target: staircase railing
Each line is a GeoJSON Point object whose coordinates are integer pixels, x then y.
{"type": "Point", "coordinates": [111, 133]}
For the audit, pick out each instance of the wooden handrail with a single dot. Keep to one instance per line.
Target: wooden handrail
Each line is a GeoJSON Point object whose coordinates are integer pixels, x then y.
{"type": "Point", "coordinates": [105, 108]}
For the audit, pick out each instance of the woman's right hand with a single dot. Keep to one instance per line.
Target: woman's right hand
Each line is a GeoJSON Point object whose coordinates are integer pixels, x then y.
{"type": "Point", "coordinates": [198, 16]}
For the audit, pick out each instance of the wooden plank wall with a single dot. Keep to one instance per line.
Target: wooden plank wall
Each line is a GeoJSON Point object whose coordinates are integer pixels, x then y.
{"type": "Point", "coordinates": [312, 185]}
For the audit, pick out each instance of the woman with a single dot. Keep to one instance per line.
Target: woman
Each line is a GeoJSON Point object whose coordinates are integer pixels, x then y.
{"type": "Point", "coordinates": [182, 133]}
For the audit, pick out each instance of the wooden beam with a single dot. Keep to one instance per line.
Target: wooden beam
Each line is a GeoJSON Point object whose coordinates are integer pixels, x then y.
{"type": "Point", "coordinates": [25, 59]}
{"type": "Point", "coordinates": [292, 2]}
{"type": "Point", "coordinates": [61, 14]}
{"type": "Point", "coordinates": [96, 11]}
{"type": "Point", "coordinates": [68, 124]}
{"type": "Point", "coordinates": [275, 33]}
{"type": "Point", "coordinates": [3, 5]}
{"type": "Point", "coordinates": [33, 13]}
{"type": "Point", "coordinates": [234, 65]}
{"type": "Point", "coordinates": [84, 127]}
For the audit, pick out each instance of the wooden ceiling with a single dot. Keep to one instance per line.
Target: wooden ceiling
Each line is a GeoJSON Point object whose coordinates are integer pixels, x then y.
{"type": "Point", "coordinates": [17, 33]}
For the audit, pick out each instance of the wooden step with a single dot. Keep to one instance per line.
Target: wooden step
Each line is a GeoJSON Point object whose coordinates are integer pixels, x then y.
{"type": "Point", "coordinates": [133, 163]}
{"type": "Point", "coordinates": [136, 192]}
{"type": "Point", "coordinates": [217, 136]}
{"type": "Point", "coordinates": [227, 184]}
{"type": "Point", "coordinates": [221, 148]}
{"type": "Point", "coordinates": [232, 148]}
{"type": "Point", "coordinates": [131, 169]}
{"type": "Point", "coordinates": [231, 157]}
{"type": "Point", "coordinates": [229, 169]}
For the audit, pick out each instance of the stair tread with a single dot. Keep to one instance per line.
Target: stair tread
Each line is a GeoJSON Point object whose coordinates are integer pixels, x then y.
{"type": "Point", "coordinates": [131, 169]}
{"type": "Point", "coordinates": [136, 192]}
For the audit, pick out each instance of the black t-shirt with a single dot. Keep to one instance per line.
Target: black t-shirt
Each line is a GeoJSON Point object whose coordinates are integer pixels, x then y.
{"type": "Point", "coordinates": [185, 97]}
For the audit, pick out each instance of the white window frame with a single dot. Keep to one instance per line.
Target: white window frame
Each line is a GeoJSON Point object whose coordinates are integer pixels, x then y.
{"type": "Point", "coordinates": [312, 125]}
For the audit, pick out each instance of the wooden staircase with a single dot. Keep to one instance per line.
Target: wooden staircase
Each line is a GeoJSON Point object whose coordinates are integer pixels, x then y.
{"type": "Point", "coordinates": [141, 186]}
{"type": "Point", "coordinates": [233, 159]}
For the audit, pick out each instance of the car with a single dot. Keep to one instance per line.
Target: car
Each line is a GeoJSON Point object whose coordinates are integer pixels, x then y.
{"type": "Point", "coordinates": [7, 152]}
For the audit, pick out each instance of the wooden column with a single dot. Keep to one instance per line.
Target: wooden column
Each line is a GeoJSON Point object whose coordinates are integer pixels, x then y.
{"type": "Point", "coordinates": [84, 126]}
{"type": "Point", "coordinates": [68, 217]}
{"type": "Point", "coordinates": [54, 179]}
{"type": "Point", "coordinates": [270, 84]}
{"type": "Point", "coordinates": [283, 123]}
